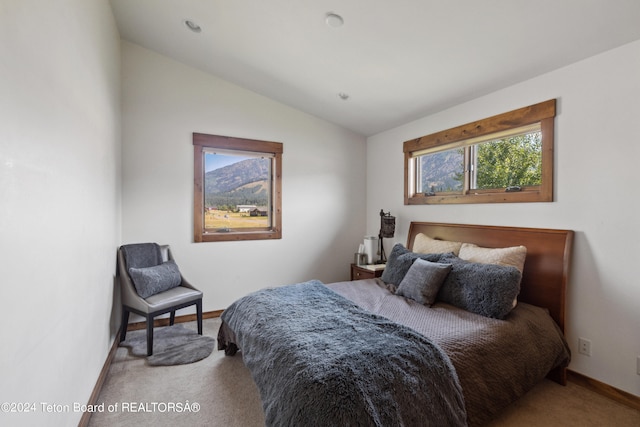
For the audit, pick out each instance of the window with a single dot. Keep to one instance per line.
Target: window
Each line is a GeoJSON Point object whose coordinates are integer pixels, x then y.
{"type": "Point", "coordinates": [237, 189]}
{"type": "Point", "coordinates": [501, 159]}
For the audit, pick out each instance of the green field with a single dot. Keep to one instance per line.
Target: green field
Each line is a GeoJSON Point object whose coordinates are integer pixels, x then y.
{"type": "Point", "coordinates": [225, 219]}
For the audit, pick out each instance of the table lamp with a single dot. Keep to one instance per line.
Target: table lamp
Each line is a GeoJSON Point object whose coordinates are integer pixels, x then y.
{"type": "Point", "coordinates": [387, 229]}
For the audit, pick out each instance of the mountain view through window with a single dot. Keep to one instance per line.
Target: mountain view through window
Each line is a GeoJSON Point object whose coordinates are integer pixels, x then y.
{"type": "Point", "coordinates": [236, 191]}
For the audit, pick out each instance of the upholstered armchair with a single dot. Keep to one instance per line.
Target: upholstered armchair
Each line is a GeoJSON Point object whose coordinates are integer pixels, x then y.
{"type": "Point", "coordinates": [152, 285]}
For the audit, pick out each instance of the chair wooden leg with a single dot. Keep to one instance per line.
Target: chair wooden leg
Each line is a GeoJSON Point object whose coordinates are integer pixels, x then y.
{"type": "Point", "coordinates": [199, 315]}
{"type": "Point", "coordinates": [172, 318]}
{"type": "Point", "coordinates": [124, 324]}
{"type": "Point", "coordinates": [149, 336]}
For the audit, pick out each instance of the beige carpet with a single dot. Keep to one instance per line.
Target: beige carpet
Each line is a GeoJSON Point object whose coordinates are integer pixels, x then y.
{"type": "Point", "coordinates": [219, 391]}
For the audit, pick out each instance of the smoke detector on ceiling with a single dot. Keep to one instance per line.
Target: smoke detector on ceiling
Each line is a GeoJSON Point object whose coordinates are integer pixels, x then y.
{"type": "Point", "coordinates": [333, 20]}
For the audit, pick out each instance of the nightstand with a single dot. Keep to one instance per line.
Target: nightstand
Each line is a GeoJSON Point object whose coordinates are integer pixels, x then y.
{"type": "Point", "coordinates": [361, 273]}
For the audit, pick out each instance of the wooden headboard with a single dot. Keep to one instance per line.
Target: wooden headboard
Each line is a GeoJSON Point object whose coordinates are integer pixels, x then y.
{"type": "Point", "coordinates": [546, 269]}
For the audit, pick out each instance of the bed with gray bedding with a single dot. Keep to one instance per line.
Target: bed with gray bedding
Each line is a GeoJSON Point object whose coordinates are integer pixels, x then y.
{"type": "Point", "coordinates": [358, 353]}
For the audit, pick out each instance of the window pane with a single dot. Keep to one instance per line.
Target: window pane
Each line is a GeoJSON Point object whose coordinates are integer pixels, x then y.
{"type": "Point", "coordinates": [441, 172]}
{"type": "Point", "coordinates": [506, 162]}
{"type": "Point", "coordinates": [236, 192]}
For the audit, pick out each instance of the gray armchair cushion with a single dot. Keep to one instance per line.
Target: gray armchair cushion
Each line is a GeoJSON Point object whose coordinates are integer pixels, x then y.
{"type": "Point", "coordinates": [423, 280]}
{"type": "Point", "coordinates": [141, 255]}
{"type": "Point", "coordinates": [153, 280]}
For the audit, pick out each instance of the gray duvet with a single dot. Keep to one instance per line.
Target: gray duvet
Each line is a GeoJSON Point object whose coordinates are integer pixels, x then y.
{"type": "Point", "coordinates": [321, 360]}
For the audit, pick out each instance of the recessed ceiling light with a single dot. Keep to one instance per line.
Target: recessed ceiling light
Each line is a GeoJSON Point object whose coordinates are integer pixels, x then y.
{"type": "Point", "coordinates": [192, 26]}
{"type": "Point", "coordinates": [333, 20]}
{"type": "Point", "coordinates": [343, 96]}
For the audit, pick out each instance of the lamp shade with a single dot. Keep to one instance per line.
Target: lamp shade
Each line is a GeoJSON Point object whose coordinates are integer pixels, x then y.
{"type": "Point", "coordinates": [387, 224]}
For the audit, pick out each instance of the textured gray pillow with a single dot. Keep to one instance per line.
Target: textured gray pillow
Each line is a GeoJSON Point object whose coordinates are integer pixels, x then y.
{"type": "Point", "coordinates": [153, 280]}
{"type": "Point", "coordinates": [485, 289]}
{"type": "Point", "coordinates": [400, 261]}
{"type": "Point", "coordinates": [423, 280]}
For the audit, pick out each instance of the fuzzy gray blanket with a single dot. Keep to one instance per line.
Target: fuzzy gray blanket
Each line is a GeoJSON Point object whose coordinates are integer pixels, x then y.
{"type": "Point", "coordinates": [320, 360]}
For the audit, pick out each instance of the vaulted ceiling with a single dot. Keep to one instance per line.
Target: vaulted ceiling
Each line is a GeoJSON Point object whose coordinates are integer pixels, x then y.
{"type": "Point", "coordinates": [393, 61]}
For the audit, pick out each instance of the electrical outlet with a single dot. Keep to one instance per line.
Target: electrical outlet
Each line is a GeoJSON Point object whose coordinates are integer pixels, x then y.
{"type": "Point", "coordinates": [638, 366]}
{"type": "Point", "coordinates": [584, 346]}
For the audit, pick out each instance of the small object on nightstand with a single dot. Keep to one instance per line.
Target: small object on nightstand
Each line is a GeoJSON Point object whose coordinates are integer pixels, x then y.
{"type": "Point", "coordinates": [360, 272]}
{"type": "Point", "coordinates": [360, 259]}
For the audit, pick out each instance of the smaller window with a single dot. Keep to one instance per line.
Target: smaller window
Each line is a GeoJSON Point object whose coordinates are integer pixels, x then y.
{"type": "Point", "coordinates": [237, 189]}
{"type": "Point", "coordinates": [505, 158]}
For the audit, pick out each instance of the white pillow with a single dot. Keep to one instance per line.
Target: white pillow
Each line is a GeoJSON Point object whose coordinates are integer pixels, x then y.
{"type": "Point", "coordinates": [513, 256]}
{"type": "Point", "coordinates": [424, 244]}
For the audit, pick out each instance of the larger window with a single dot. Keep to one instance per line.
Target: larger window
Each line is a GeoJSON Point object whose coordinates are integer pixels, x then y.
{"type": "Point", "coordinates": [505, 158]}
{"type": "Point", "coordinates": [237, 189]}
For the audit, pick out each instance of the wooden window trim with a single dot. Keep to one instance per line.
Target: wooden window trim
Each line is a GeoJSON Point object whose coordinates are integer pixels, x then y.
{"type": "Point", "coordinates": [543, 112]}
{"type": "Point", "coordinates": [201, 142]}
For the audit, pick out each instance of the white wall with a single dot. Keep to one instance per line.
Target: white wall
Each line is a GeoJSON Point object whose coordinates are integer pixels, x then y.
{"type": "Point", "coordinates": [59, 201]}
{"type": "Point", "coordinates": [597, 148]}
{"type": "Point", "coordinates": [323, 207]}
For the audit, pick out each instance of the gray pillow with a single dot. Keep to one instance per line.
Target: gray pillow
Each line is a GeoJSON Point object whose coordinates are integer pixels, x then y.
{"type": "Point", "coordinates": [400, 261]}
{"type": "Point", "coordinates": [423, 280]}
{"type": "Point", "coordinates": [485, 289]}
{"type": "Point", "coordinates": [153, 280]}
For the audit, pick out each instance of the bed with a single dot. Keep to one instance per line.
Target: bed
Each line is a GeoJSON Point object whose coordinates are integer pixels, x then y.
{"type": "Point", "coordinates": [358, 353]}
